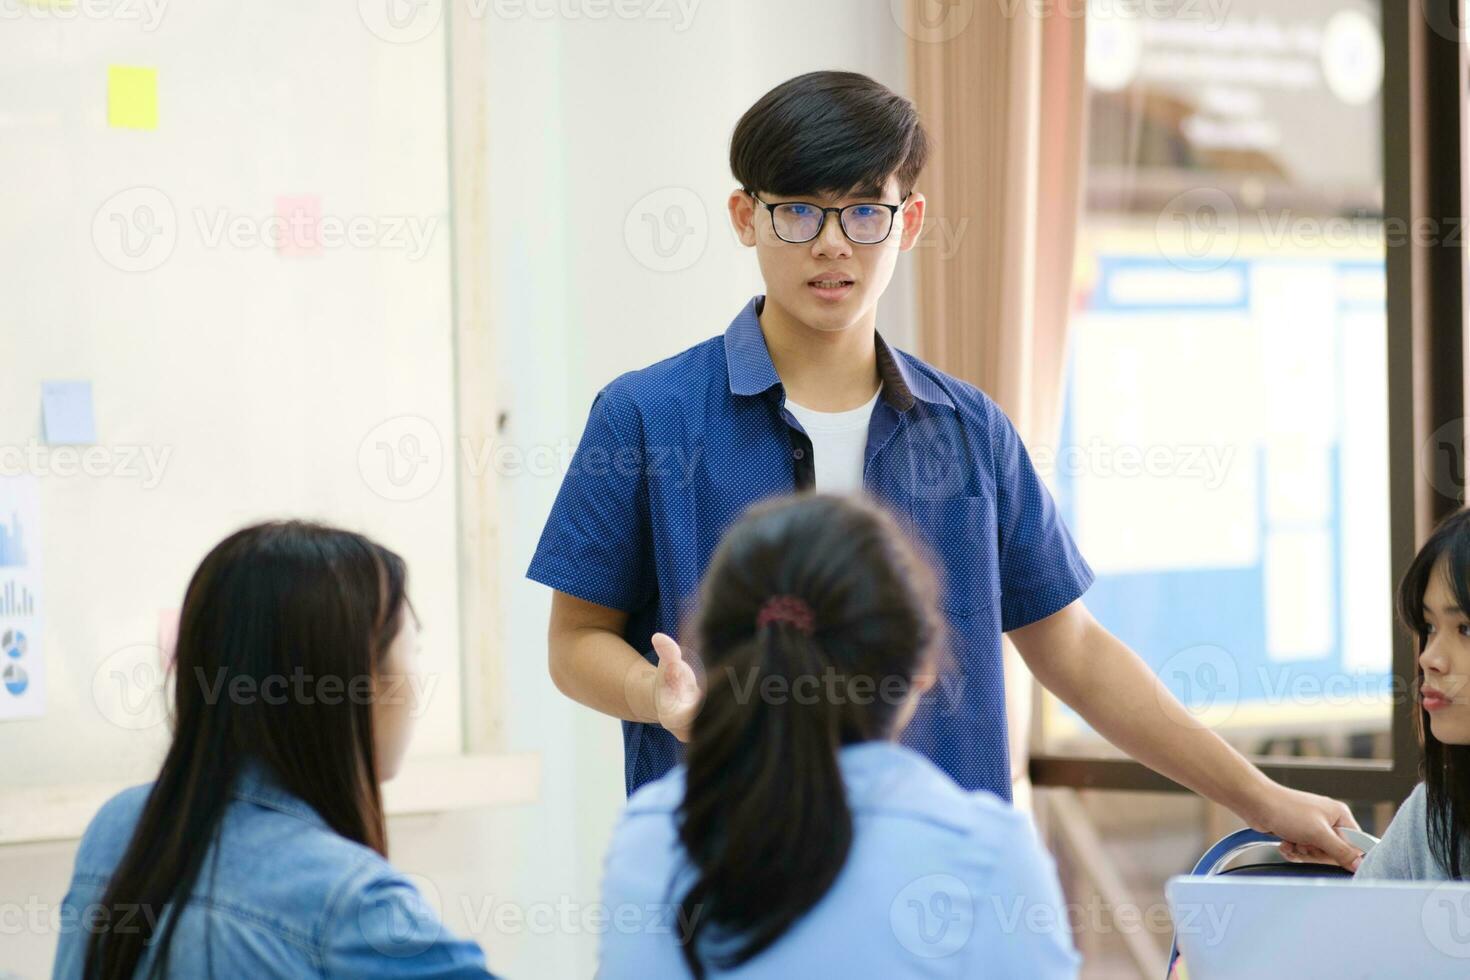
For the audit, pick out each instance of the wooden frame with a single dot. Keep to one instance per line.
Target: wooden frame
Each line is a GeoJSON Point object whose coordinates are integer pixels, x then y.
{"type": "Point", "coordinates": [426, 785]}
{"type": "Point", "coordinates": [477, 408]}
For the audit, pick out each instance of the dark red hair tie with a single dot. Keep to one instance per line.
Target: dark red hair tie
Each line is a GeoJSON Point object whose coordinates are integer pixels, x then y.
{"type": "Point", "coordinates": [786, 609]}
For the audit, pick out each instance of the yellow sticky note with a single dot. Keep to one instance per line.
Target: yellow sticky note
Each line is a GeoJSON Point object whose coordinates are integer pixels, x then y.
{"type": "Point", "coordinates": [132, 97]}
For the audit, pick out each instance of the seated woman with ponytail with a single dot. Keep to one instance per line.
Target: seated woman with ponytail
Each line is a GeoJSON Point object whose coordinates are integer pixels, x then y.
{"type": "Point", "coordinates": [259, 850]}
{"type": "Point", "coordinates": [800, 839]}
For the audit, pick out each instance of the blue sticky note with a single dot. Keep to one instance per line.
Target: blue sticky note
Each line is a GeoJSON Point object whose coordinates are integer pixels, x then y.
{"type": "Point", "coordinates": [66, 412]}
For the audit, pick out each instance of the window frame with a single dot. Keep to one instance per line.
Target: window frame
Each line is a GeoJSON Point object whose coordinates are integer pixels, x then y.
{"type": "Point", "coordinates": [1423, 108]}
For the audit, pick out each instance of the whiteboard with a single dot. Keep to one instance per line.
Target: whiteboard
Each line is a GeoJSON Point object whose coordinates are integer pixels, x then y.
{"type": "Point", "coordinates": [277, 372]}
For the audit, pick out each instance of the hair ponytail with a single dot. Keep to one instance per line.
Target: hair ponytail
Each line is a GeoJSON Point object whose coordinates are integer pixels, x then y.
{"type": "Point", "coordinates": [765, 819]}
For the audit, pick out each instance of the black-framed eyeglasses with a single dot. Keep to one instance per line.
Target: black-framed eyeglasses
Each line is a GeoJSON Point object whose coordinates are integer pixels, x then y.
{"type": "Point", "coordinates": [798, 222]}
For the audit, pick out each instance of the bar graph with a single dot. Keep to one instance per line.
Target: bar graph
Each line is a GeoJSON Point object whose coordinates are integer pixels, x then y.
{"type": "Point", "coordinates": [16, 600]}
{"type": "Point", "coordinates": [12, 542]}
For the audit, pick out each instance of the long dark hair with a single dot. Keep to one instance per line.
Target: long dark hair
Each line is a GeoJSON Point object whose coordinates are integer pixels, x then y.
{"type": "Point", "coordinates": [279, 600]}
{"type": "Point", "coordinates": [764, 818]}
{"type": "Point", "coordinates": [1445, 768]}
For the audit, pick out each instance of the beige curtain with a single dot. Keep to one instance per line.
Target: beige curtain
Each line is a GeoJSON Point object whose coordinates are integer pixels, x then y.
{"type": "Point", "coordinates": [1001, 88]}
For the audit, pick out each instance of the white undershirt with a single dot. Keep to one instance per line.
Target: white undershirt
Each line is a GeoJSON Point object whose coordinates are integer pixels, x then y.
{"type": "Point", "coordinates": [839, 441]}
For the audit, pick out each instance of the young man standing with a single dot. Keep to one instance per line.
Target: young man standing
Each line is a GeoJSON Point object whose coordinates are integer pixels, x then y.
{"type": "Point", "coordinates": [801, 392]}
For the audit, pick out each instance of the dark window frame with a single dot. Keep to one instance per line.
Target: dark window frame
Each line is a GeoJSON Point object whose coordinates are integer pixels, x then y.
{"type": "Point", "coordinates": [1423, 105]}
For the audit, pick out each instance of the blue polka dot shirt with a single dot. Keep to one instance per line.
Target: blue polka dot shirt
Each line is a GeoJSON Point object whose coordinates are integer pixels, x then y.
{"type": "Point", "coordinates": [672, 455]}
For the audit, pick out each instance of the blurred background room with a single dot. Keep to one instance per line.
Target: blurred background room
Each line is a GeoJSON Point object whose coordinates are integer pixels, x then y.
{"type": "Point", "coordinates": [370, 261]}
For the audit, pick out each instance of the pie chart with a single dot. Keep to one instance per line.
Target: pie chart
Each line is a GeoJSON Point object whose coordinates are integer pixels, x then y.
{"type": "Point", "coordinates": [15, 679]}
{"type": "Point", "coordinates": [14, 644]}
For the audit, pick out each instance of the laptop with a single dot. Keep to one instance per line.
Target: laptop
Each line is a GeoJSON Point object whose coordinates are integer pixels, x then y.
{"type": "Point", "coordinates": [1241, 927]}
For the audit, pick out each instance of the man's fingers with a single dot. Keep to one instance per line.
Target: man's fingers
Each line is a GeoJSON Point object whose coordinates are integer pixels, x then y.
{"type": "Point", "coordinates": [1301, 853]}
{"type": "Point", "coordinates": [1338, 850]}
{"type": "Point", "coordinates": [1342, 853]}
{"type": "Point", "coordinates": [1346, 819]}
{"type": "Point", "coordinates": [667, 650]}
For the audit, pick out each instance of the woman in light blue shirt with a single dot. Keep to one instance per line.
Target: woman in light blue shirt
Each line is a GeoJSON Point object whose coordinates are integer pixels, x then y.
{"type": "Point", "coordinates": [1429, 838]}
{"type": "Point", "coordinates": [800, 839]}
{"type": "Point", "coordinates": [259, 851]}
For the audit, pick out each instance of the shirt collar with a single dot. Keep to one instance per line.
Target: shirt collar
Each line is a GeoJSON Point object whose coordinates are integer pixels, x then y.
{"type": "Point", "coordinates": [882, 775]}
{"type": "Point", "coordinates": [752, 373]}
{"type": "Point", "coordinates": [879, 774]}
{"type": "Point", "coordinates": [257, 783]}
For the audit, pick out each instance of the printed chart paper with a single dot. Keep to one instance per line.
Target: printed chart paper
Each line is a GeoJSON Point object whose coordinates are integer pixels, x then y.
{"type": "Point", "coordinates": [22, 668]}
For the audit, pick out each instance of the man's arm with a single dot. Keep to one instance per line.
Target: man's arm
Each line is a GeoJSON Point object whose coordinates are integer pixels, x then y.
{"type": "Point", "coordinates": [1109, 685]}
{"type": "Point", "coordinates": [591, 663]}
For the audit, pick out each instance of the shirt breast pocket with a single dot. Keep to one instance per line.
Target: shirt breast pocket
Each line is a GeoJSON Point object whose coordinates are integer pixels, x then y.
{"type": "Point", "coordinates": [960, 538]}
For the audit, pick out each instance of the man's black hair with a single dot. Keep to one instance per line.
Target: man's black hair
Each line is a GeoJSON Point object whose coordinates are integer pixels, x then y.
{"type": "Point", "coordinates": [829, 132]}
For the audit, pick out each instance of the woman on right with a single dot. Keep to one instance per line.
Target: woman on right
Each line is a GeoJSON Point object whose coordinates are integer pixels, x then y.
{"type": "Point", "coordinates": [1429, 836]}
{"type": "Point", "coordinates": [800, 839]}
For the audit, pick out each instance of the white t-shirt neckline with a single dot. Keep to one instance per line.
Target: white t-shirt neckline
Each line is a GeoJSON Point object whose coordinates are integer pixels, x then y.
{"type": "Point", "coordinates": [835, 421]}
{"type": "Point", "coordinates": [839, 444]}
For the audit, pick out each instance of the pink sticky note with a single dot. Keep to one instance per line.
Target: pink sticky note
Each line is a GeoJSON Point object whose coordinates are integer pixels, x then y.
{"type": "Point", "coordinates": [168, 636]}
{"type": "Point", "coordinates": [300, 217]}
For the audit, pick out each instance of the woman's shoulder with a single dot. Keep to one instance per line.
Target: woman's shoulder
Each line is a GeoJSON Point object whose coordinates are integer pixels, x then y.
{"type": "Point", "coordinates": [888, 779]}
{"type": "Point", "coordinates": [277, 835]}
{"type": "Point", "coordinates": [1417, 801]}
{"type": "Point", "coordinates": [110, 829]}
{"type": "Point", "coordinates": [277, 866]}
{"type": "Point", "coordinates": [897, 796]}
{"type": "Point", "coordinates": [381, 916]}
{"type": "Point", "coordinates": [253, 834]}
{"type": "Point", "coordinates": [1404, 852]}
{"type": "Point", "coordinates": [905, 803]}
{"type": "Point", "coordinates": [275, 850]}
{"type": "Point", "coordinates": [662, 795]}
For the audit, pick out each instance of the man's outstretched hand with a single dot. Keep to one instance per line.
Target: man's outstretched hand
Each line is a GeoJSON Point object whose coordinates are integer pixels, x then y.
{"type": "Point", "coordinates": [677, 696]}
{"type": "Point", "coordinates": [1307, 825]}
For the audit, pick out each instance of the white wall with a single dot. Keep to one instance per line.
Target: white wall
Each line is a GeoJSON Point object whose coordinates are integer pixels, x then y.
{"type": "Point", "coordinates": [588, 117]}
{"type": "Point", "coordinates": [255, 375]}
